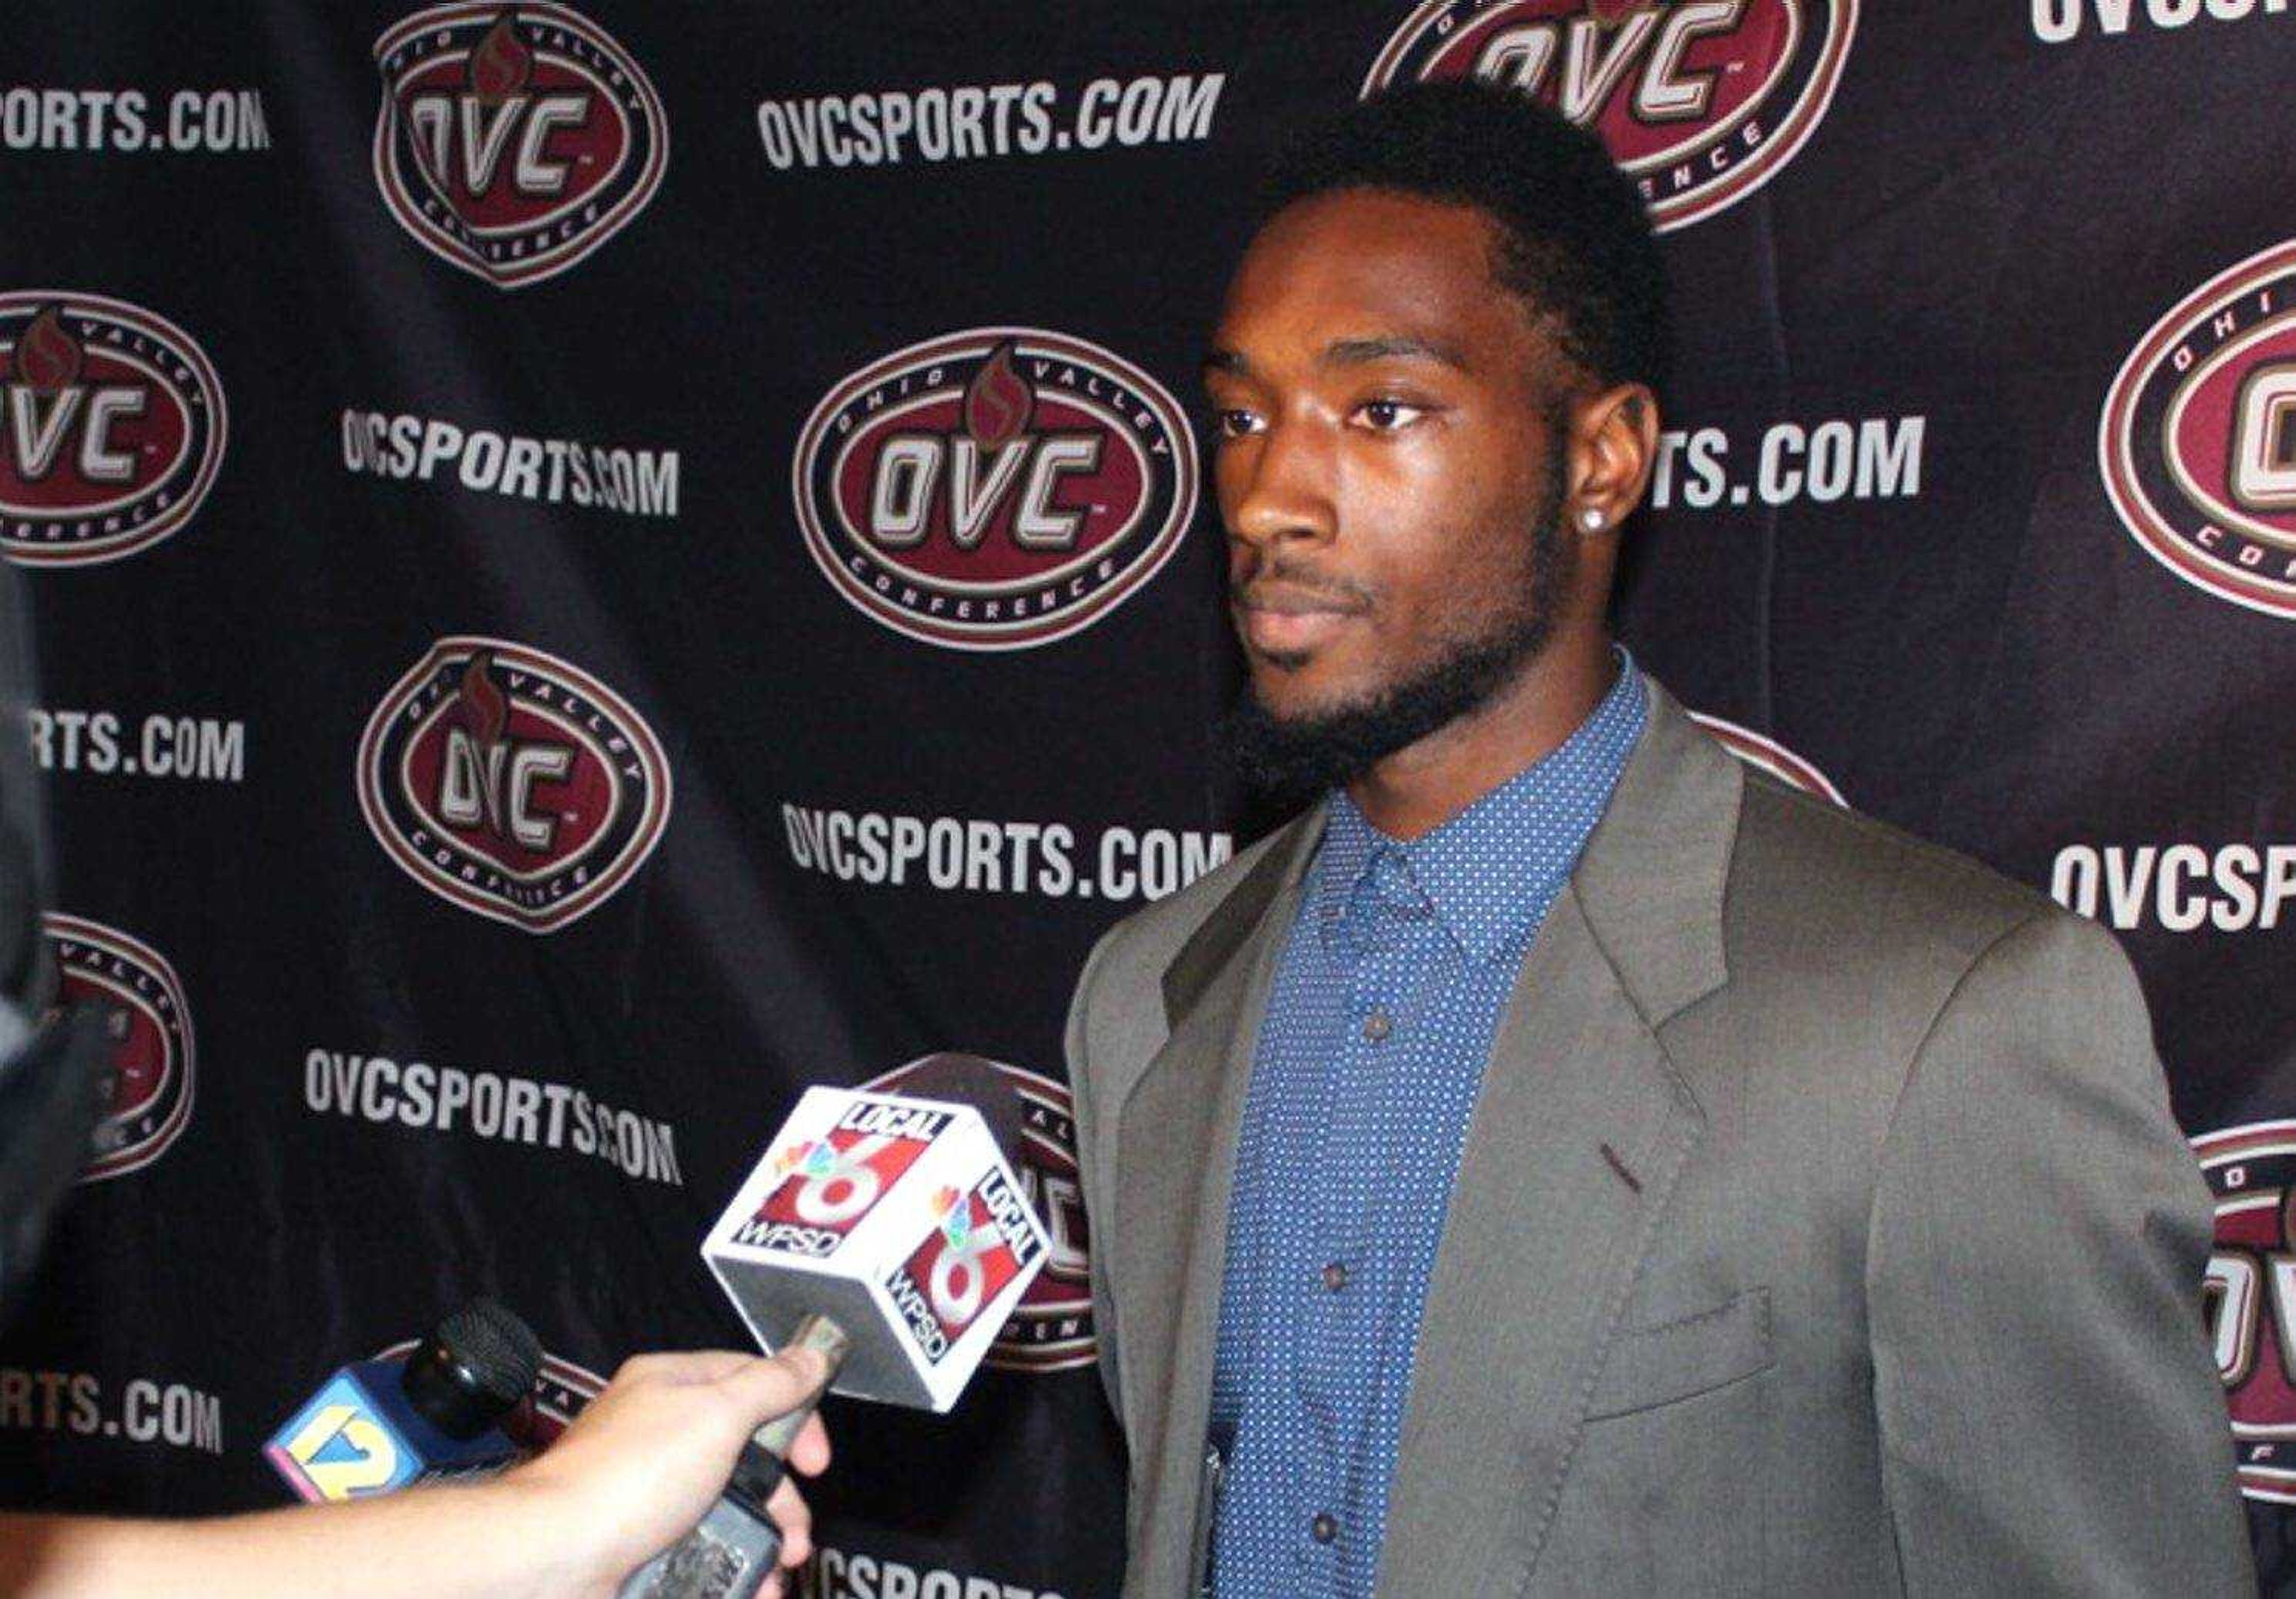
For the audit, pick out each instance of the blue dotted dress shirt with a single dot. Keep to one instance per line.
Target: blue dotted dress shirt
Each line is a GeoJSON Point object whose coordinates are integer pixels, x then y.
{"type": "Point", "coordinates": [1377, 1026]}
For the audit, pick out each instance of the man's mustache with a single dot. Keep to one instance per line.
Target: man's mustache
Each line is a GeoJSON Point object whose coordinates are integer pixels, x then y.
{"type": "Point", "coordinates": [1281, 586]}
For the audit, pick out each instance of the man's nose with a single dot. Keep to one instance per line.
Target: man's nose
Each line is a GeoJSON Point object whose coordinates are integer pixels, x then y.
{"type": "Point", "coordinates": [1285, 489]}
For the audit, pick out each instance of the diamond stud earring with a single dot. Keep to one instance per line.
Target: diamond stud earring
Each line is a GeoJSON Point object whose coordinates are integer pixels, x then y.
{"type": "Point", "coordinates": [1591, 519]}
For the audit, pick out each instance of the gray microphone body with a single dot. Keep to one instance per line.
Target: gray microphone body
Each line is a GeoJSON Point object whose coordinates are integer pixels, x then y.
{"type": "Point", "coordinates": [732, 1551]}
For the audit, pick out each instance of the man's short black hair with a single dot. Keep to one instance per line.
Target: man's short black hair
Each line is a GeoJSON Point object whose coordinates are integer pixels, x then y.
{"type": "Point", "coordinates": [1575, 239]}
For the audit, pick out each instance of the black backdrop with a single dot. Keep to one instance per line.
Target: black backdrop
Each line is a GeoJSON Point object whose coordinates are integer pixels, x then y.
{"type": "Point", "coordinates": [594, 567]}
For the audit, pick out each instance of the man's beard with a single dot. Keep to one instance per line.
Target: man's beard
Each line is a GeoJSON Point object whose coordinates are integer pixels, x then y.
{"type": "Point", "coordinates": [1300, 756]}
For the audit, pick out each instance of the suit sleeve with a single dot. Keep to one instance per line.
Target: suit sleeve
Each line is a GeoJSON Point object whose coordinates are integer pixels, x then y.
{"type": "Point", "coordinates": [2050, 1415]}
{"type": "Point", "coordinates": [1093, 1167]}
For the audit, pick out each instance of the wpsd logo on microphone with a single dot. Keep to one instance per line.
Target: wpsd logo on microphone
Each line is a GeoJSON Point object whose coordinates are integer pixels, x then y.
{"type": "Point", "coordinates": [513, 140]}
{"type": "Point", "coordinates": [1701, 101]}
{"type": "Point", "coordinates": [2194, 444]}
{"type": "Point", "coordinates": [511, 783]}
{"type": "Point", "coordinates": [995, 488]}
{"type": "Point", "coordinates": [111, 427]}
{"type": "Point", "coordinates": [1050, 1329]}
{"type": "Point", "coordinates": [830, 1183]}
{"type": "Point", "coordinates": [984, 1239]}
{"type": "Point", "coordinates": [153, 1065]}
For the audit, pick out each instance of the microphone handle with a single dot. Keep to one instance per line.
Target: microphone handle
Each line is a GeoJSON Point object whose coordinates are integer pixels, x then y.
{"type": "Point", "coordinates": [730, 1553]}
{"type": "Point", "coordinates": [734, 1549]}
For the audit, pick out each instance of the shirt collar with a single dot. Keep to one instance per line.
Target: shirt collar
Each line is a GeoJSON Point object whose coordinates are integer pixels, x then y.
{"type": "Point", "coordinates": [1489, 872]}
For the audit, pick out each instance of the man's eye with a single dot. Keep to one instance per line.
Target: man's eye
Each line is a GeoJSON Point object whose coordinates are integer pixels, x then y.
{"type": "Point", "coordinates": [1387, 415]}
{"type": "Point", "coordinates": [1234, 424]}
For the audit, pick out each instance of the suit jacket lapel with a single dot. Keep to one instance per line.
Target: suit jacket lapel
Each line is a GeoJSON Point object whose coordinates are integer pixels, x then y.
{"type": "Point", "coordinates": [1543, 1237]}
{"type": "Point", "coordinates": [1175, 1158]}
{"type": "Point", "coordinates": [1545, 1233]}
{"type": "Point", "coordinates": [1540, 1246]}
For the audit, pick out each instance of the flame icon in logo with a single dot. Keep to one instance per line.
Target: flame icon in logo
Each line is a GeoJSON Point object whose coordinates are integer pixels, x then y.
{"type": "Point", "coordinates": [46, 358]}
{"type": "Point", "coordinates": [998, 403]}
{"type": "Point", "coordinates": [486, 715]}
{"type": "Point", "coordinates": [500, 64]}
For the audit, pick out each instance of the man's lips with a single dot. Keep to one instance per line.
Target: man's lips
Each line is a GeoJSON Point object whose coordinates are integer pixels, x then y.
{"type": "Point", "coordinates": [1276, 619]}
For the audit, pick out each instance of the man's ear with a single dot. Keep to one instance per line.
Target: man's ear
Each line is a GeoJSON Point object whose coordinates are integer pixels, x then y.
{"type": "Point", "coordinates": [1614, 449]}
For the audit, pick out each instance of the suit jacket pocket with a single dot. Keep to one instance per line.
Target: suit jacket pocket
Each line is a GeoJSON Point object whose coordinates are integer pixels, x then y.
{"type": "Point", "coordinates": [1678, 1359]}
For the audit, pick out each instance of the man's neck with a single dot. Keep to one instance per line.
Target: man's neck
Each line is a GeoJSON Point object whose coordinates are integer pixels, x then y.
{"type": "Point", "coordinates": [1417, 789]}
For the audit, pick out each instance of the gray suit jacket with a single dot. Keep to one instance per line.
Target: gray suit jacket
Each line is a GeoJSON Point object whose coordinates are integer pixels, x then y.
{"type": "Point", "coordinates": [1897, 1290]}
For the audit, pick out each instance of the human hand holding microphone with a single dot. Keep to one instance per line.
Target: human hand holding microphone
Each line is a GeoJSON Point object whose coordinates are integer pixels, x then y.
{"type": "Point", "coordinates": [650, 1457]}
{"type": "Point", "coordinates": [638, 1468]}
{"type": "Point", "coordinates": [907, 1225]}
{"type": "Point", "coordinates": [901, 1218]}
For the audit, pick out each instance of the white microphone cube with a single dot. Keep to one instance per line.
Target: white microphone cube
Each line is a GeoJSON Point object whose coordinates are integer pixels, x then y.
{"type": "Point", "coordinates": [897, 1219]}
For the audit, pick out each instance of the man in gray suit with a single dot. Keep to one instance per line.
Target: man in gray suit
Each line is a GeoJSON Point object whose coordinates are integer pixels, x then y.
{"type": "Point", "coordinates": [1564, 1160]}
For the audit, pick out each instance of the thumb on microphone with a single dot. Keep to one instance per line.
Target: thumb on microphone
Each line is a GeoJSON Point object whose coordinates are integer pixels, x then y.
{"type": "Point", "coordinates": [761, 1389]}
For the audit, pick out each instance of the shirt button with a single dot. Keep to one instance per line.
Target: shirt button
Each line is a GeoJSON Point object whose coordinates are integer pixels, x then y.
{"type": "Point", "coordinates": [1324, 1528]}
{"type": "Point", "coordinates": [1377, 1026]}
{"type": "Point", "coordinates": [1336, 1276]}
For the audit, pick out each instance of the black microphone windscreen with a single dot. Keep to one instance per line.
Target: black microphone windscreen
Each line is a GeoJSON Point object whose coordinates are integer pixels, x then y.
{"type": "Point", "coordinates": [499, 1351]}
